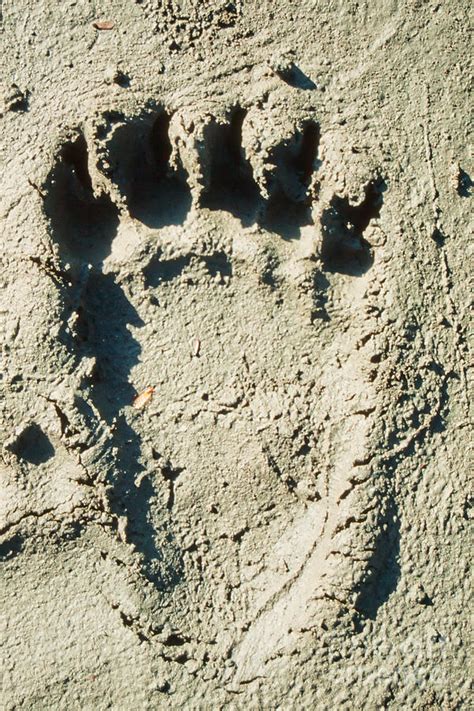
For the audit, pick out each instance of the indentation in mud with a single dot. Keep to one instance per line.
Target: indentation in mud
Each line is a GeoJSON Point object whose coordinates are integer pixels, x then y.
{"type": "Point", "coordinates": [33, 445]}
{"type": "Point", "coordinates": [75, 155]}
{"type": "Point", "coordinates": [285, 217]}
{"type": "Point", "coordinates": [139, 152]}
{"type": "Point", "coordinates": [170, 474]}
{"type": "Point", "coordinates": [306, 156]}
{"type": "Point", "coordinates": [294, 161]}
{"type": "Point", "coordinates": [159, 271]}
{"type": "Point", "coordinates": [438, 237]}
{"type": "Point", "coordinates": [383, 569]}
{"type": "Point", "coordinates": [82, 224]}
{"type": "Point", "coordinates": [100, 318]}
{"type": "Point", "coordinates": [12, 547]}
{"type": "Point", "coordinates": [218, 264]}
{"type": "Point", "coordinates": [105, 317]}
{"type": "Point", "coordinates": [104, 334]}
{"type": "Point", "coordinates": [320, 288]}
{"type": "Point", "coordinates": [344, 248]}
{"type": "Point", "coordinates": [231, 186]}
{"type": "Point", "coordinates": [162, 562]}
{"type": "Point", "coordinates": [464, 186]}
{"type": "Point", "coordinates": [163, 270]}
{"type": "Point", "coordinates": [145, 173]}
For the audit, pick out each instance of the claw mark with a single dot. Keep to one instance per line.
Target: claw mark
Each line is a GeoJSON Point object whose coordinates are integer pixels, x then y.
{"type": "Point", "coordinates": [344, 248]}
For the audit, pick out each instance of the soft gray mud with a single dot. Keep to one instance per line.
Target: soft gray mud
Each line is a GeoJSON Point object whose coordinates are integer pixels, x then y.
{"type": "Point", "coordinates": [256, 214]}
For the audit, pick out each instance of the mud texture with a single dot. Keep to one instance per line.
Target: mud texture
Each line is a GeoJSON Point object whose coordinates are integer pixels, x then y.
{"type": "Point", "coordinates": [256, 214]}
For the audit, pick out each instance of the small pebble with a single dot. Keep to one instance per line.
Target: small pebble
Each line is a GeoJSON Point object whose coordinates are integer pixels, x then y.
{"type": "Point", "coordinates": [103, 24]}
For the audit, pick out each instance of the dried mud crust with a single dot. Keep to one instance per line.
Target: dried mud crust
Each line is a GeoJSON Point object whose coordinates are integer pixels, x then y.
{"type": "Point", "coordinates": [249, 491]}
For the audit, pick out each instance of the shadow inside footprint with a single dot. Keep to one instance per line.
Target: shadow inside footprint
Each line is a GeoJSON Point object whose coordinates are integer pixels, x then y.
{"type": "Point", "coordinates": [231, 184]}
{"type": "Point", "coordinates": [33, 445]}
{"type": "Point", "coordinates": [11, 547]}
{"type": "Point", "coordinates": [294, 160]}
{"type": "Point", "coordinates": [344, 249]}
{"type": "Point", "coordinates": [82, 224]}
{"type": "Point", "coordinates": [103, 332]}
{"type": "Point", "coordinates": [464, 186]}
{"type": "Point", "coordinates": [139, 153]}
{"type": "Point", "coordinates": [164, 270]}
{"type": "Point", "coordinates": [286, 217]}
{"type": "Point", "coordinates": [104, 319]}
{"type": "Point", "coordinates": [383, 568]}
{"type": "Point", "coordinates": [162, 563]}
{"type": "Point", "coordinates": [320, 288]}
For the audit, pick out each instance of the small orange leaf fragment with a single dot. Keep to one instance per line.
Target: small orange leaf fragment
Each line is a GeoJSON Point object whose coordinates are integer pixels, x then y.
{"type": "Point", "coordinates": [103, 24]}
{"type": "Point", "coordinates": [143, 397]}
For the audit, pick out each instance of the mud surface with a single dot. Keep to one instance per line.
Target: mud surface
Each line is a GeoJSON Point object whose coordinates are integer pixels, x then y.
{"type": "Point", "coordinates": [255, 218]}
